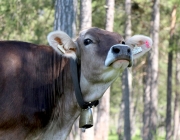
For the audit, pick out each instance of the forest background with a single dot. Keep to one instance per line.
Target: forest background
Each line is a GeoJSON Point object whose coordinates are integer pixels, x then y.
{"type": "Point", "coordinates": [32, 20]}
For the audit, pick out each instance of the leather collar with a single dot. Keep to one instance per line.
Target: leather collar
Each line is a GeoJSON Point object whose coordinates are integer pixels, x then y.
{"type": "Point", "coordinates": [75, 73]}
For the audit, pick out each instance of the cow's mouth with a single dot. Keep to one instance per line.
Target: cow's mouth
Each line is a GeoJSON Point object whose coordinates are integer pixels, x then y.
{"type": "Point", "coordinates": [120, 58]}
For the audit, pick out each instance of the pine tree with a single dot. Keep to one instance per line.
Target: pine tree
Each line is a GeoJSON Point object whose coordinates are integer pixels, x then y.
{"type": "Point", "coordinates": [65, 16]}
{"type": "Point", "coordinates": [151, 80]}
{"type": "Point", "coordinates": [127, 78]}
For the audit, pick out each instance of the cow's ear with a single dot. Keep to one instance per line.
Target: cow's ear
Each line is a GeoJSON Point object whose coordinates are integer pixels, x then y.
{"type": "Point", "coordinates": [62, 43]}
{"type": "Point", "coordinates": [139, 44]}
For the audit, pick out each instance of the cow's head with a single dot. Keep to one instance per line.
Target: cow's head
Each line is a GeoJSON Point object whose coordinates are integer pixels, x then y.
{"type": "Point", "coordinates": [103, 55]}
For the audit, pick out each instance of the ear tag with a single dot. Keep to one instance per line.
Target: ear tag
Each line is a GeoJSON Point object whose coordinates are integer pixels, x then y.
{"type": "Point", "coordinates": [60, 47]}
{"type": "Point", "coordinates": [136, 50]}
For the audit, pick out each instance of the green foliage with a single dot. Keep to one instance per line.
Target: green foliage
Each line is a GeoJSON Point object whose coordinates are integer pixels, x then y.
{"type": "Point", "coordinates": [113, 137]}
{"type": "Point", "coordinates": [26, 20]}
{"type": "Point", "coordinates": [136, 137]}
{"type": "Point", "coordinates": [98, 13]}
{"type": "Point", "coordinates": [119, 17]}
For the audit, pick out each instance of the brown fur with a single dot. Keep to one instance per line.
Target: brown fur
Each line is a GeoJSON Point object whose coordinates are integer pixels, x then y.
{"type": "Point", "coordinates": [33, 80]}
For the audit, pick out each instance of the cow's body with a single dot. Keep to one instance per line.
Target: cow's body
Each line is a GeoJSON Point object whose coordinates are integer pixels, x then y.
{"type": "Point", "coordinates": [37, 99]}
{"type": "Point", "coordinates": [32, 86]}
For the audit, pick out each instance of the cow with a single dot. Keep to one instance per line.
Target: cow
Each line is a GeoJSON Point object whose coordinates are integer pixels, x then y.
{"type": "Point", "coordinates": [37, 92]}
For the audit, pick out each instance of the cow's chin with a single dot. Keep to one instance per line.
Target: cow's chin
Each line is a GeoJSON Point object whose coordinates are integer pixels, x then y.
{"type": "Point", "coordinates": [120, 64]}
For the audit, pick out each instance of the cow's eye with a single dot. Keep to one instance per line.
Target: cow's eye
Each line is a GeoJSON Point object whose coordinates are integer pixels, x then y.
{"type": "Point", "coordinates": [87, 41]}
{"type": "Point", "coordinates": [123, 42]}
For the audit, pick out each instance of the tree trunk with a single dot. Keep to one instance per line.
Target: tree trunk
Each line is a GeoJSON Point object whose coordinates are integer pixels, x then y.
{"type": "Point", "coordinates": [177, 99]}
{"type": "Point", "coordinates": [85, 14]}
{"type": "Point", "coordinates": [126, 97]}
{"type": "Point", "coordinates": [169, 78]}
{"type": "Point", "coordinates": [169, 96]}
{"type": "Point", "coordinates": [176, 128]}
{"type": "Point", "coordinates": [128, 19]}
{"type": "Point", "coordinates": [65, 16]}
{"type": "Point", "coordinates": [151, 80]}
{"type": "Point", "coordinates": [88, 134]}
{"type": "Point", "coordinates": [127, 78]}
{"type": "Point", "coordinates": [109, 15]}
{"type": "Point", "coordinates": [146, 113]}
{"type": "Point", "coordinates": [121, 121]}
{"type": "Point", "coordinates": [102, 122]}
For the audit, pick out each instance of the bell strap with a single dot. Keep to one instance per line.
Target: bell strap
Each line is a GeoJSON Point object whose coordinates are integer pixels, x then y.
{"type": "Point", "coordinates": [76, 82]}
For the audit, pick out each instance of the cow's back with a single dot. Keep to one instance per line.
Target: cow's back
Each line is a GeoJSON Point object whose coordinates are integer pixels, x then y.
{"type": "Point", "coordinates": [28, 77]}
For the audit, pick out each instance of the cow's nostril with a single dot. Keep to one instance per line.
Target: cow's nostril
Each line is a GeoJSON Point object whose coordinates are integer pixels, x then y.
{"type": "Point", "coordinates": [115, 50]}
{"type": "Point", "coordinates": [129, 50]}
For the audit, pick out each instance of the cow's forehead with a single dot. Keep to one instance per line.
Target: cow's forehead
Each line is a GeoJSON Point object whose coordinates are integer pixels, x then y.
{"type": "Point", "coordinates": [99, 33]}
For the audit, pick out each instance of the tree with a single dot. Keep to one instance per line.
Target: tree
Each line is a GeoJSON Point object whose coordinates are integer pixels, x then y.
{"type": "Point", "coordinates": [176, 128]}
{"type": "Point", "coordinates": [151, 80]}
{"type": "Point", "coordinates": [24, 20]}
{"type": "Point", "coordinates": [102, 120]}
{"type": "Point", "coordinates": [127, 77]}
{"type": "Point", "coordinates": [109, 15]}
{"type": "Point", "coordinates": [65, 16]}
{"type": "Point", "coordinates": [169, 77]}
{"type": "Point", "coordinates": [85, 14]}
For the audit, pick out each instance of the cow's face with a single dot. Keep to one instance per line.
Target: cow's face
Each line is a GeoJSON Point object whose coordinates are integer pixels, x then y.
{"type": "Point", "coordinates": [102, 55]}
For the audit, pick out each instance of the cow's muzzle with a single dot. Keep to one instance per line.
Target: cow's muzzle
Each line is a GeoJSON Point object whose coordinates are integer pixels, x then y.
{"type": "Point", "coordinates": [119, 52]}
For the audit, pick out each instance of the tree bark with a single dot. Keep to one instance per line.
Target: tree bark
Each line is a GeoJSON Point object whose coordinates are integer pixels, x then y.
{"type": "Point", "coordinates": [88, 134]}
{"type": "Point", "coordinates": [126, 97]}
{"type": "Point", "coordinates": [128, 19]}
{"type": "Point", "coordinates": [169, 78]}
{"type": "Point", "coordinates": [169, 97]}
{"type": "Point", "coordinates": [127, 78]}
{"type": "Point", "coordinates": [109, 15]}
{"type": "Point", "coordinates": [65, 16]}
{"type": "Point", "coordinates": [177, 100]}
{"type": "Point", "coordinates": [121, 121]}
{"type": "Point", "coordinates": [151, 80]}
{"type": "Point", "coordinates": [85, 14]}
{"type": "Point", "coordinates": [102, 122]}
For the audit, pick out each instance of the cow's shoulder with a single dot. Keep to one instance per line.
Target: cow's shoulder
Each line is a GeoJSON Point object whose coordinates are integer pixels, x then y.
{"type": "Point", "coordinates": [29, 76]}
{"type": "Point", "coordinates": [23, 46]}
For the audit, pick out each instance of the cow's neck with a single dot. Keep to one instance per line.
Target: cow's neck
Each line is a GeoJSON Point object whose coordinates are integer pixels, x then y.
{"type": "Point", "coordinates": [95, 88]}
{"type": "Point", "coordinates": [93, 91]}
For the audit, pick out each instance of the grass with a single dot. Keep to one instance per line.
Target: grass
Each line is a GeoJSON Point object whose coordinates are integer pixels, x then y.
{"type": "Point", "coordinates": [136, 137]}
{"type": "Point", "coordinates": [113, 137]}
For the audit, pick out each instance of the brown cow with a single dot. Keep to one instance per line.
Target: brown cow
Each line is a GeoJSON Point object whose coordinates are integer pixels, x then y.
{"type": "Point", "coordinates": [37, 97]}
